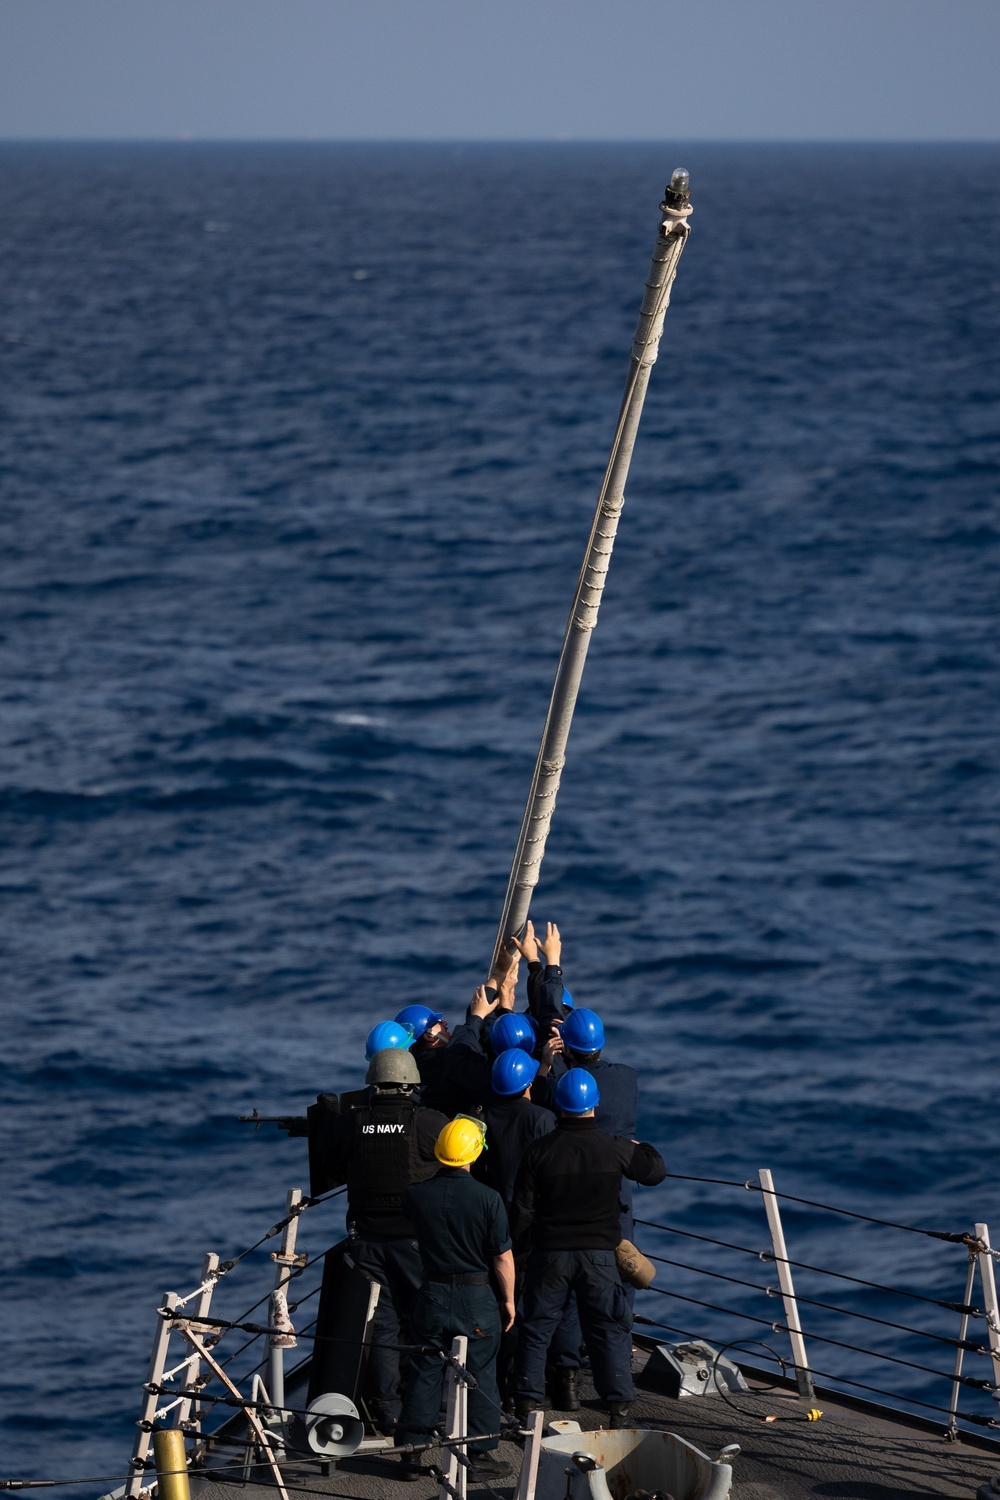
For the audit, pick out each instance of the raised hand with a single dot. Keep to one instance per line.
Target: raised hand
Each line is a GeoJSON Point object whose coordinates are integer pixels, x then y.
{"type": "Point", "coordinates": [552, 946]}
{"type": "Point", "coordinates": [552, 1048]}
{"type": "Point", "coordinates": [479, 1005]}
{"type": "Point", "coordinates": [509, 985]}
{"type": "Point", "coordinates": [528, 945]}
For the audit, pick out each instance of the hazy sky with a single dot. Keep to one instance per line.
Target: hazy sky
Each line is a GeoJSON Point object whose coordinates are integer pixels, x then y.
{"type": "Point", "coordinates": [501, 69]}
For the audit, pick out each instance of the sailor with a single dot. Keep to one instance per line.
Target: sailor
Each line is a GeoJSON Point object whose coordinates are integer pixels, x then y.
{"type": "Point", "coordinates": [512, 1120]}
{"type": "Point", "coordinates": [579, 1045]}
{"type": "Point", "coordinates": [461, 1229]}
{"type": "Point", "coordinates": [567, 1195]}
{"type": "Point", "coordinates": [379, 1148]}
{"type": "Point", "coordinates": [430, 1038]}
{"type": "Point", "coordinates": [512, 1124]}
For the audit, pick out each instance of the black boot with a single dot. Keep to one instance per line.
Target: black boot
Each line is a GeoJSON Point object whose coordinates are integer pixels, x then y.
{"type": "Point", "coordinates": [487, 1466]}
{"type": "Point", "coordinates": [523, 1407]}
{"type": "Point", "coordinates": [565, 1395]}
{"type": "Point", "coordinates": [619, 1413]}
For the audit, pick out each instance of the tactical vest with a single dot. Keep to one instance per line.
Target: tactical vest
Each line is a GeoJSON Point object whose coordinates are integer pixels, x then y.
{"type": "Point", "coordinates": [384, 1158]}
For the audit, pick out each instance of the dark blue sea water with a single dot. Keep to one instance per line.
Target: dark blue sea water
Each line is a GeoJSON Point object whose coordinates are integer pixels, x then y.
{"type": "Point", "coordinates": [299, 447]}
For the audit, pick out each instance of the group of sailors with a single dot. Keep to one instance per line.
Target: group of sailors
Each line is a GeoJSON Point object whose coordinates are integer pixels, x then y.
{"type": "Point", "coordinates": [488, 1174]}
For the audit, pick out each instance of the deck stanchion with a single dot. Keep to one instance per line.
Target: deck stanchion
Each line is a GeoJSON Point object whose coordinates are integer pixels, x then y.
{"type": "Point", "coordinates": [208, 1279]}
{"type": "Point", "coordinates": [963, 1332]}
{"type": "Point", "coordinates": [457, 1406]}
{"type": "Point", "coordinates": [803, 1378]}
{"type": "Point", "coordinates": [157, 1363]}
{"type": "Point", "coordinates": [990, 1300]}
{"type": "Point", "coordinates": [286, 1261]}
{"type": "Point", "coordinates": [528, 1481]}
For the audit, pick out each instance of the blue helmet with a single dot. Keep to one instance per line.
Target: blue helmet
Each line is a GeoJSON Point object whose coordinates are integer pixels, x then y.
{"type": "Point", "coordinates": [512, 1031]}
{"type": "Point", "coordinates": [513, 1071]}
{"type": "Point", "coordinates": [387, 1034]}
{"type": "Point", "coordinates": [418, 1018]}
{"type": "Point", "coordinates": [576, 1092]}
{"type": "Point", "coordinates": [583, 1031]}
{"type": "Point", "coordinates": [567, 999]}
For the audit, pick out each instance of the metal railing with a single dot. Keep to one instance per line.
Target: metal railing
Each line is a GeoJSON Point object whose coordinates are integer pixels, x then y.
{"type": "Point", "coordinates": [176, 1389]}
{"type": "Point", "coordinates": [824, 1316]}
{"type": "Point", "coordinates": [252, 1377]}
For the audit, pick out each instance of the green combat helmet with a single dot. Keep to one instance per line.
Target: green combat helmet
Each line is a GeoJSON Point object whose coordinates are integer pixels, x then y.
{"type": "Point", "coordinates": [393, 1068]}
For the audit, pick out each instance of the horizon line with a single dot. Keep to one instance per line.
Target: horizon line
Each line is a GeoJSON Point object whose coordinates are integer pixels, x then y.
{"type": "Point", "coordinates": [190, 139]}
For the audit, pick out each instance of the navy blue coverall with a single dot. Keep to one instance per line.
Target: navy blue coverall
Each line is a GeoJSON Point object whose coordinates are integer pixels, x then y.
{"type": "Point", "coordinates": [461, 1225]}
{"type": "Point", "coordinates": [567, 1197]}
{"type": "Point", "coordinates": [512, 1124]}
{"type": "Point", "coordinates": [616, 1114]}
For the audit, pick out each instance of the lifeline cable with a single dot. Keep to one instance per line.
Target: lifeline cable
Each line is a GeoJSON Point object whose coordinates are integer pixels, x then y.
{"type": "Point", "coordinates": [394, 1451]}
{"type": "Point", "coordinates": [322, 1338]}
{"type": "Point", "coordinates": [828, 1375]}
{"type": "Point", "coordinates": [225, 1363]}
{"type": "Point", "coordinates": [653, 1323]}
{"type": "Point", "coordinates": [225, 1266]}
{"type": "Point", "coordinates": [263, 1360]}
{"type": "Point", "coordinates": [877, 1286]}
{"type": "Point", "coordinates": [208, 1472]}
{"type": "Point", "coordinates": [296, 1272]}
{"type": "Point", "coordinates": [966, 1416]}
{"type": "Point", "coordinates": [199, 1394]}
{"type": "Point", "coordinates": [955, 1237]}
{"type": "Point", "coordinates": [969, 1380]}
{"type": "Point", "coordinates": [969, 1344]}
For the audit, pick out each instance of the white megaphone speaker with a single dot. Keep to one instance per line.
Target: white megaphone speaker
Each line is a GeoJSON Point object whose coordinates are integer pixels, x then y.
{"type": "Point", "coordinates": [333, 1427]}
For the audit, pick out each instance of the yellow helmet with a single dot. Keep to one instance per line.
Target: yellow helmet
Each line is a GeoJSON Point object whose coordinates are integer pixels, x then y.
{"type": "Point", "coordinates": [460, 1142]}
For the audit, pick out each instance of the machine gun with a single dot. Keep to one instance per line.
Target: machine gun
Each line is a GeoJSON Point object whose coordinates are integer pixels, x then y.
{"type": "Point", "coordinates": [294, 1124]}
{"type": "Point", "coordinates": [312, 1126]}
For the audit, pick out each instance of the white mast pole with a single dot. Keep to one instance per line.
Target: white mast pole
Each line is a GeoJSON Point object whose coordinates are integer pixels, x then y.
{"type": "Point", "coordinates": [537, 820]}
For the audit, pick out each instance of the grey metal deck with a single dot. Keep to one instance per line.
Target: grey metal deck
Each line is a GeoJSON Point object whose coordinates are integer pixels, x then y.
{"type": "Point", "coordinates": [850, 1454]}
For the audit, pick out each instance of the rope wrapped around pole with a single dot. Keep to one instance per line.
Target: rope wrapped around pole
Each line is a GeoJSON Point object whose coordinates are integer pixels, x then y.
{"type": "Point", "coordinates": [530, 849]}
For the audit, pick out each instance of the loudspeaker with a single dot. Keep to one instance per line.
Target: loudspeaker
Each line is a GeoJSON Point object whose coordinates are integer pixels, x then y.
{"type": "Point", "coordinates": [692, 1369]}
{"type": "Point", "coordinates": [333, 1427]}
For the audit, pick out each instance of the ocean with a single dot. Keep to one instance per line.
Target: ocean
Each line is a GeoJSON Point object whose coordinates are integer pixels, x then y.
{"type": "Point", "coordinates": [299, 448]}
